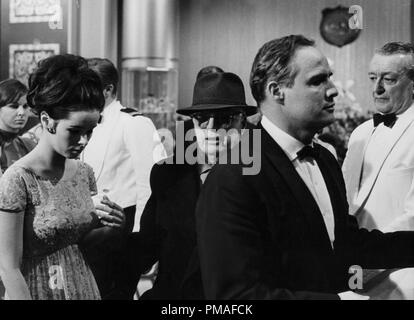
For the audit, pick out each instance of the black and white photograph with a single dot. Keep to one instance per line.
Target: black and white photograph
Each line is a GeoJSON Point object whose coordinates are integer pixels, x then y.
{"type": "Point", "coordinates": [206, 153]}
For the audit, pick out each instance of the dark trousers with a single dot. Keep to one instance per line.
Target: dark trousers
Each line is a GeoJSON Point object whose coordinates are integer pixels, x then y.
{"type": "Point", "coordinates": [109, 267]}
{"type": "Point", "coordinates": [130, 218]}
{"type": "Point", "coordinates": [2, 290]}
{"type": "Point", "coordinates": [132, 267]}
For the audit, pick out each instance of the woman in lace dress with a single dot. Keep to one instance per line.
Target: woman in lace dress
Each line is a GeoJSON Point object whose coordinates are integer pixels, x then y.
{"type": "Point", "coordinates": [46, 210]}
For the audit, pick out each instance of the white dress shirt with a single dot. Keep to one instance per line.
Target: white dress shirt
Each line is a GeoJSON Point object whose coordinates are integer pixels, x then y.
{"type": "Point", "coordinates": [308, 170]}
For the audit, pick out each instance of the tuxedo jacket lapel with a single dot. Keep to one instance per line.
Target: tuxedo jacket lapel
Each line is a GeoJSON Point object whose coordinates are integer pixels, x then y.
{"type": "Point", "coordinates": [353, 164]}
{"type": "Point", "coordinates": [302, 196]}
{"type": "Point", "coordinates": [336, 188]}
{"type": "Point", "coordinates": [398, 130]}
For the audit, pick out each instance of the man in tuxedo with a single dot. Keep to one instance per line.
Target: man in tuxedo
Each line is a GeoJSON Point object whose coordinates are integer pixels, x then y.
{"type": "Point", "coordinates": [285, 233]}
{"type": "Point", "coordinates": [379, 166]}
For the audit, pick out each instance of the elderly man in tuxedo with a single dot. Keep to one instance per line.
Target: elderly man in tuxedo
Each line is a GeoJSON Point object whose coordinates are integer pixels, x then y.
{"type": "Point", "coordinates": [285, 233]}
{"type": "Point", "coordinates": [379, 166]}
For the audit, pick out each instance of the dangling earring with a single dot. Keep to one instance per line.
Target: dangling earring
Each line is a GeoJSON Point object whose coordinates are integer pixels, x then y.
{"type": "Point", "coordinates": [51, 130]}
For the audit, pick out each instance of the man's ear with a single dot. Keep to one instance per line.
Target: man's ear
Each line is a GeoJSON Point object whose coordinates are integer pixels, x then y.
{"type": "Point", "coordinates": [276, 92]}
{"type": "Point", "coordinates": [410, 72]}
{"type": "Point", "coordinates": [410, 75]}
{"type": "Point", "coordinates": [413, 89]}
{"type": "Point", "coordinates": [109, 91]}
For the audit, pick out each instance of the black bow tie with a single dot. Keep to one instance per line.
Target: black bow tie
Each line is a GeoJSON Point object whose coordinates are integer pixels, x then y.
{"type": "Point", "coordinates": [388, 119]}
{"type": "Point", "coordinates": [308, 152]}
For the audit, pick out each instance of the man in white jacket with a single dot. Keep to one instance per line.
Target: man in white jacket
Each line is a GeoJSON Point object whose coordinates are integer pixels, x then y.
{"type": "Point", "coordinates": [379, 166]}
{"type": "Point", "coordinates": [122, 151]}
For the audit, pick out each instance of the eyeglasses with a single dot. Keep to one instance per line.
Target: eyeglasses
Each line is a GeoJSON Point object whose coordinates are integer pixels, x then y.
{"type": "Point", "coordinates": [222, 119]}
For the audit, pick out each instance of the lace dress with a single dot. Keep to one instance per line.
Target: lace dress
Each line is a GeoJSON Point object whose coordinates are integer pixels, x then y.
{"type": "Point", "coordinates": [57, 215]}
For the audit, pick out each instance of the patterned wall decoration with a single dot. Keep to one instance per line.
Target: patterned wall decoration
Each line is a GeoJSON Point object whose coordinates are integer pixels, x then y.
{"type": "Point", "coordinates": [26, 11]}
{"type": "Point", "coordinates": [24, 58]}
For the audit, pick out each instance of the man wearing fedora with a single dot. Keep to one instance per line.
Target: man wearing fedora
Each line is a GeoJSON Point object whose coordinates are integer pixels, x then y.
{"type": "Point", "coordinates": [168, 232]}
{"type": "Point", "coordinates": [285, 233]}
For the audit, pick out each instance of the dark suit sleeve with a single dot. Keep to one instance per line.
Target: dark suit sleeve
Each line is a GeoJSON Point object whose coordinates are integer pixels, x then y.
{"type": "Point", "coordinates": [370, 249]}
{"type": "Point", "coordinates": [144, 246]}
{"type": "Point", "coordinates": [230, 241]}
{"type": "Point", "coordinates": [376, 250]}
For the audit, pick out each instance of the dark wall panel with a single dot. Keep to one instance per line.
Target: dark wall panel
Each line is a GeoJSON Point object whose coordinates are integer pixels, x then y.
{"type": "Point", "coordinates": [228, 33]}
{"type": "Point", "coordinates": [30, 40]}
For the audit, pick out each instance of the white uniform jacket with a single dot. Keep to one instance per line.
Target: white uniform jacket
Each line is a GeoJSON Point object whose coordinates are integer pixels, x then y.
{"type": "Point", "coordinates": [122, 152]}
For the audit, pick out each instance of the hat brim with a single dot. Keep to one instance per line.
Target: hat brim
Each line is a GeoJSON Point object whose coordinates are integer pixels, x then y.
{"type": "Point", "coordinates": [250, 110]}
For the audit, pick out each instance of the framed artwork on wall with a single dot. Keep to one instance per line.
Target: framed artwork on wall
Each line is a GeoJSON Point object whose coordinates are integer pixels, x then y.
{"type": "Point", "coordinates": [30, 29]}
{"type": "Point", "coordinates": [34, 11]}
{"type": "Point", "coordinates": [25, 57]}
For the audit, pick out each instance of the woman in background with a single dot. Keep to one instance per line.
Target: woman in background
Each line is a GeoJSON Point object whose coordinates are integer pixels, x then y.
{"type": "Point", "coordinates": [13, 118]}
{"type": "Point", "coordinates": [46, 210]}
{"type": "Point", "coordinates": [14, 114]}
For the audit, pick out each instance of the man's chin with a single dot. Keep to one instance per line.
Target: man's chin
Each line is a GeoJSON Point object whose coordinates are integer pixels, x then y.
{"type": "Point", "coordinates": [383, 107]}
{"type": "Point", "coordinates": [210, 152]}
{"type": "Point", "coordinates": [327, 121]}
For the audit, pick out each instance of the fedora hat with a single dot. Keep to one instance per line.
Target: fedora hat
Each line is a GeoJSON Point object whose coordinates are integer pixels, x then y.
{"type": "Point", "coordinates": [218, 91]}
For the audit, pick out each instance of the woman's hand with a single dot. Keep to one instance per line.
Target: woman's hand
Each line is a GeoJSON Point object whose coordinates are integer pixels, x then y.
{"type": "Point", "coordinates": [110, 214]}
{"type": "Point", "coordinates": [11, 252]}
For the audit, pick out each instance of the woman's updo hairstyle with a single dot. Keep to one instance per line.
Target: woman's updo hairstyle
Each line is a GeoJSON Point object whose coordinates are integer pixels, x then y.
{"type": "Point", "coordinates": [63, 84]}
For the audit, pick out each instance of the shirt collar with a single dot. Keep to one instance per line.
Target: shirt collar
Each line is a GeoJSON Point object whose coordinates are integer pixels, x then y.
{"type": "Point", "coordinates": [204, 168]}
{"type": "Point", "coordinates": [289, 144]}
{"type": "Point", "coordinates": [113, 107]}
